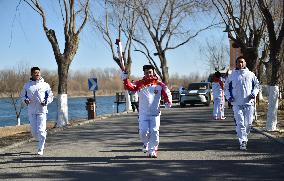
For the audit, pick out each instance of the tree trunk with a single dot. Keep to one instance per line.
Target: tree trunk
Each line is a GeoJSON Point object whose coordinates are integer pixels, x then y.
{"type": "Point", "coordinates": [276, 45]}
{"type": "Point", "coordinates": [251, 56]}
{"type": "Point", "coordinates": [18, 121]}
{"type": "Point", "coordinates": [127, 101]}
{"type": "Point", "coordinates": [62, 110]}
{"type": "Point", "coordinates": [165, 69]}
{"type": "Point", "coordinates": [273, 90]}
{"type": "Point", "coordinates": [62, 76]}
{"type": "Point", "coordinates": [71, 45]}
{"type": "Point", "coordinates": [271, 121]}
{"type": "Point", "coordinates": [62, 100]}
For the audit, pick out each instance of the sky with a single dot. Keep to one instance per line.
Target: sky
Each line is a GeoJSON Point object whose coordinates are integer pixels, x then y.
{"type": "Point", "coordinates": [23, 42]}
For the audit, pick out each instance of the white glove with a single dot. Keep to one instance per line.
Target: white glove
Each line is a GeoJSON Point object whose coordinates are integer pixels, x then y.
{"type": "Point", "coordinates": [168, 105]}
{"type": "Point", "coordinates": [124, 75]}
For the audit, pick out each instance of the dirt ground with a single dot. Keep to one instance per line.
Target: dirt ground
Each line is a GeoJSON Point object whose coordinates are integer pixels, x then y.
{"type": "Point", "coordinates": [261, 121]}
{"type": "Point", "coordinates": [13, 134]}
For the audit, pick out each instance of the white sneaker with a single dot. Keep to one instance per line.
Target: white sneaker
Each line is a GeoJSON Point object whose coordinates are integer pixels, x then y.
{"type": "Point", "coordinates": [40, 152]}
{"type": "Point", "coordinates": [153, 154]}
{"type": "Point", "coordinates": [243, 145]}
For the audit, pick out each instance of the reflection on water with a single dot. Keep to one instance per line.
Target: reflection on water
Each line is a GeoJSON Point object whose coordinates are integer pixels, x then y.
{"type": "Point", "coordinates": [76, 106]}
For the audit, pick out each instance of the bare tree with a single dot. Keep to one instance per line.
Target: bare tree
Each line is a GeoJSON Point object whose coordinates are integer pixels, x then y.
{"type": "Point", "coordinates": [216, 54]}
{"type": "Point", "coordinates": [64, 58]}
{"type": "Point", "coordinates": [275, 28]}
{"type": "Point", "coordinates": [51, 77]}
{"type": "Point", "coordinates": [244, 25]}
{"type": "Point", "coordinates": [167, 23]}
{"type": "Point", "coordinates": [119, 18]}
{"type": "Point", "coordinates": [11, 82]}
{"type": "Point", "coordinates": [273, 16]}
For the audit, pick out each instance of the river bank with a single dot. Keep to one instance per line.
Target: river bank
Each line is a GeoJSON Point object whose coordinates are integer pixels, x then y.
{"type": "Point", "coordinates": [78, 94]}
{"type": "Point", "coordinates": [104, 105]}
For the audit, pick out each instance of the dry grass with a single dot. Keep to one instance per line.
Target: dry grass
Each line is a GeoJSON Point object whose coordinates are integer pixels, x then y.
{"type": "Point", "coordinates": [12, 130]}
{"type": "Point", "coordinates": [15, 138]}
{"type": "Point", "coordinates": [13, 134]}
{"type": "Point", "coordinates": [262, 117]}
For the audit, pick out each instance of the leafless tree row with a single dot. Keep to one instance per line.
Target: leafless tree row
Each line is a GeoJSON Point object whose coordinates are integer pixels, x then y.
{"type": "Point", "coordinates": [154, 27]}
{"type": "Point", "coordinates": [109, 82]}
{"type": "Point", "coordinates": [151, 27]}
{"type": "Point", "coordinates": [257, 28]}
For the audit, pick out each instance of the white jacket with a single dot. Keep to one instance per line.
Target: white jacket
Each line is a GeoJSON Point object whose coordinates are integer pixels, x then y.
{"type": "Point", "coordinates": [240, 85]}
{"type": "Point", "coordinates": [150, 92]}
{"type": "Point", "coordinates": [133, 96]}
{"type": "Point", "coordinates": [37, 92]}
{"type": "Point", "coordinates": [218, 90]}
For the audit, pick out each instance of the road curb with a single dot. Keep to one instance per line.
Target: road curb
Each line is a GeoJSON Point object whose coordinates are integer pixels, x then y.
{"type": "Point", "coordinates": [267, 134]}
{"type": "Point", "coordinates": [15, 145]}
{"type": "Point", "coordinates": [57, 129]}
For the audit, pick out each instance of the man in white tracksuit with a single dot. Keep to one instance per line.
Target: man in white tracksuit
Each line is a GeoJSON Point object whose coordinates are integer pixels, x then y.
{"type": "Point", "coordinates": [241, 88]}
{"type": "Point", "coordinates": [134, 99]}
{"type": "Point", "coordinates": [149, 90]}
{"type": "Point", "coordinates": [218, 96]}
{"type": "Point", "coordinates": [37, 95]}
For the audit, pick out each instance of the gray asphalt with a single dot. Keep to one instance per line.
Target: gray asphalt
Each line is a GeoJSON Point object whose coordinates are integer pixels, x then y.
{"type": "Point", "coordinates": [192, 147]}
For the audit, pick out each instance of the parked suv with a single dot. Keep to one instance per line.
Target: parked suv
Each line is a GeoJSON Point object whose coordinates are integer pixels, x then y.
{"type": "Point", "coordinates": [197, 93]}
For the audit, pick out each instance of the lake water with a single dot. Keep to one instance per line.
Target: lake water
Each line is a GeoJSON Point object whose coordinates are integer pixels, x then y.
{"type": "Point", "coordinates": [76, 108]}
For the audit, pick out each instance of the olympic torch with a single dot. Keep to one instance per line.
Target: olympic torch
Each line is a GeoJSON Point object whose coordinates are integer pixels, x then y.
{"type": "Point", "coordinates": [119, 52]}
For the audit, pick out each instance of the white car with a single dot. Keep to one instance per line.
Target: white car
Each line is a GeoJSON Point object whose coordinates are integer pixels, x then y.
{"type": "Point", "coordinates": [197, 93]}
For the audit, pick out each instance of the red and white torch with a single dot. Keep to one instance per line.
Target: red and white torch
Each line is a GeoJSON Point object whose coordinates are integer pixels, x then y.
{"type": "Point", "coordinates": [119, 52]}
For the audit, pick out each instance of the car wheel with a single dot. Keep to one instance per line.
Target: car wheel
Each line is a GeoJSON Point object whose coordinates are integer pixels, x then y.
{"type": "Point", "coordinates": [208, 101]}
{"type": "Point", "coordinates": [182, 104]}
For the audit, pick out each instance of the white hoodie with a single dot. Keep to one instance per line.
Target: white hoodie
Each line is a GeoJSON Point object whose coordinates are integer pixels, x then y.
{"type": "Point", "coordinates": [37, 92]}
{"type": "Point", "coordinates": [240, 85]}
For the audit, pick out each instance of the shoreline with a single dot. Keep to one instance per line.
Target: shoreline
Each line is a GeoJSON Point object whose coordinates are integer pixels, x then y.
{"type": "Point", "coordinates": [76, 102]}
{"type": "Point", "coordinates": [70, 96]}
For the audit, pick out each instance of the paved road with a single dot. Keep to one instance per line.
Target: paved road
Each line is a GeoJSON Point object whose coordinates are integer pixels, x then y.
{"type": "Point", "coordinates": [192, 147]}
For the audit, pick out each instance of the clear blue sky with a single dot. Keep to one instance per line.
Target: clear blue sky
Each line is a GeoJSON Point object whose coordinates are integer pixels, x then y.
{"type": "Point", "coordinates": [24, 42]}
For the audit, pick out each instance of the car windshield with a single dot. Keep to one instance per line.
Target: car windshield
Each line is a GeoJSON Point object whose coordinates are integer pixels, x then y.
{"type": "Point", "coordinates": [198, 86]}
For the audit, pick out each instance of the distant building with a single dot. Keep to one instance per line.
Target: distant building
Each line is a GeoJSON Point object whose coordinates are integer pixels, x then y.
{"type": "Point", "coordinates": [234, 54]}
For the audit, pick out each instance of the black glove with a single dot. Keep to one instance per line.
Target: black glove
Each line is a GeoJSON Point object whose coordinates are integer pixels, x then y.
{"type": "Point", "coordinates": [231, 99]}
{"type": "Point", "coordinates": [27, 101]}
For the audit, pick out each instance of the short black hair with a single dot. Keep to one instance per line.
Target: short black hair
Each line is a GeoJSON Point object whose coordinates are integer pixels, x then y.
{"type": "Point", "coordinates": [217, 74]}
{"type": "Point", "coordinates": [34, 68]}
{"type": "Point", "coordinates": [147, 67]}
{"type": "Point", "coordinates": [240, 57]}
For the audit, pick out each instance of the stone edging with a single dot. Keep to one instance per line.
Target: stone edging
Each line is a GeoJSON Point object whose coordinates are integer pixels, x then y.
{"type": "Point", "coordinates": [267, 134]}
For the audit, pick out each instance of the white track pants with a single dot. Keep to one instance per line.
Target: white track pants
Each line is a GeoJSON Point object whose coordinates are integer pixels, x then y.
{"type": "Point", "coordinates": [38, 128]}
{"type": "Point", "coordinates": [244, 118]}
{"type": "Point", "coordinates": [149, 131]}
{"type": "Point", "coordinates": [218, 109]}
